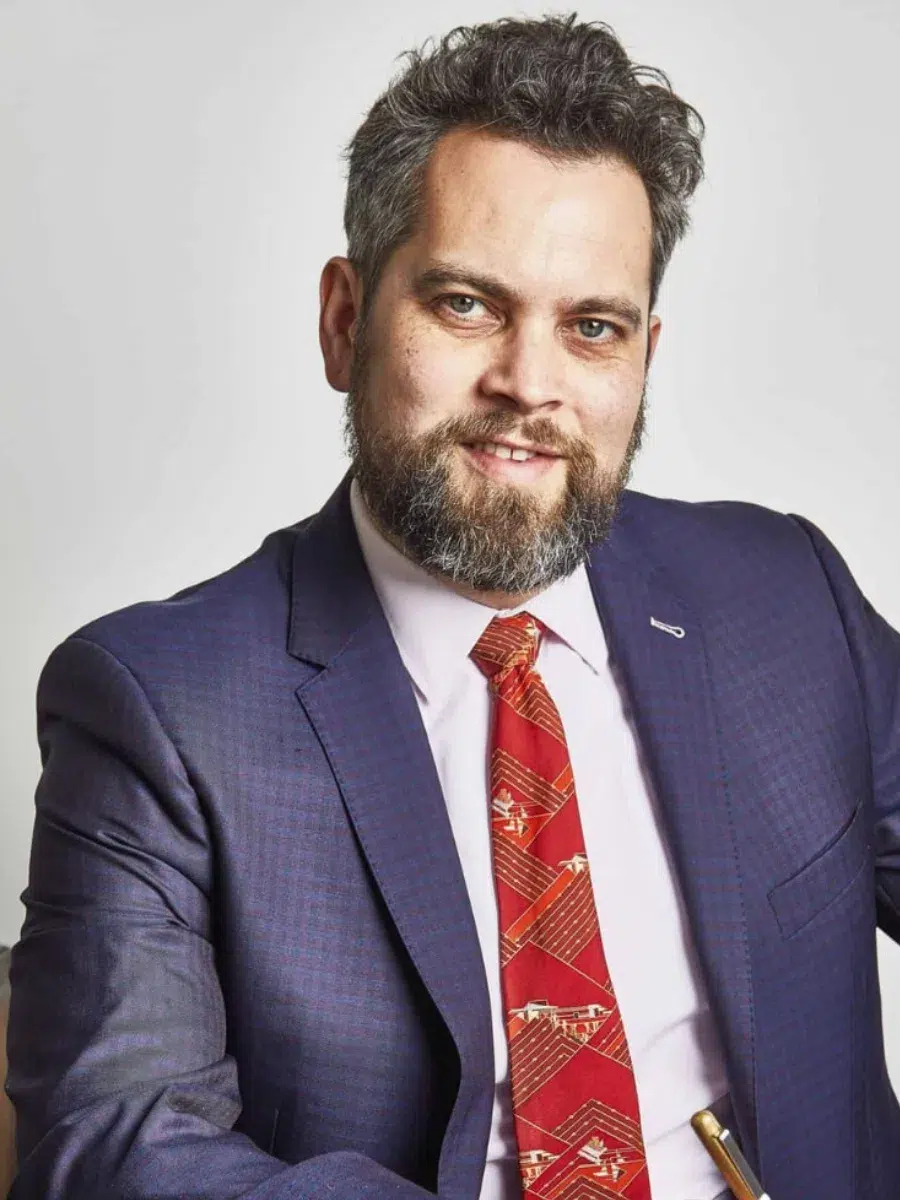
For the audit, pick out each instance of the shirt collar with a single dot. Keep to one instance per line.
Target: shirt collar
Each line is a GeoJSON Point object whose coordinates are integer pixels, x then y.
{"type": "Point", "coordinates": [435, 628]}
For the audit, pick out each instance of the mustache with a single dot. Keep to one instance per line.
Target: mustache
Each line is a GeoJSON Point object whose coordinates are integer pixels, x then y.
{"type": "Point", "coordinates": [488, 426]}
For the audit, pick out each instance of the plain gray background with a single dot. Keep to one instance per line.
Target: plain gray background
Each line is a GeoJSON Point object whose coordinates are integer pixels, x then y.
{"type": "Point", "coordinates": [171, 184]}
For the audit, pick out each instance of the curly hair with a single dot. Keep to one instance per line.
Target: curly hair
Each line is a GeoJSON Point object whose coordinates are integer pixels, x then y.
{"type": "Point", "coordinates": [565, 87]}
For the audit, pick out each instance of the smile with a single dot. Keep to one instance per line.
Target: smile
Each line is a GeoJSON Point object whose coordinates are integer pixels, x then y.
{"type": "Point", "coordinates": [509, 462]}
{"type": "Point", "coordinates": [517, 454]}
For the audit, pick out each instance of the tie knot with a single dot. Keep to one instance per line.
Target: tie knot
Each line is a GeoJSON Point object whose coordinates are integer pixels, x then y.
{"type": "Point", "coordinates": [508, 642]}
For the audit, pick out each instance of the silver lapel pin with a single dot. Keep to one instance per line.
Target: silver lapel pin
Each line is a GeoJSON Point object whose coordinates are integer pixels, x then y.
{"type": "Point", "coordinates": [675, 630]}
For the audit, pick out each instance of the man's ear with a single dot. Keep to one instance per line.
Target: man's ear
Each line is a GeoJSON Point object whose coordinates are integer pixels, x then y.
{"type": "Point", "coordinates": [340, 305]}
{"type": "Point", "coordinates": [653, 331]}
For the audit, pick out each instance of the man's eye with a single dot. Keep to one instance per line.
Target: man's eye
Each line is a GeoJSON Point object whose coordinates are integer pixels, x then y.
{"type": "Point", "coordinates": [462, 306]}
{"type": "Point", "coordinates": [593, 327]}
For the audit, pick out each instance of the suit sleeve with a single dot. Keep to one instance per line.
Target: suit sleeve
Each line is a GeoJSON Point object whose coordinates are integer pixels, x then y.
{"type": "Point", "coordinates": [117, 1048]}
{"type": "Point", "coordinates": [875, 650]}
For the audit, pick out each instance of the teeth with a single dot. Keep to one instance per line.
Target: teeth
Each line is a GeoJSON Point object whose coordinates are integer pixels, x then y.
{"type": "Point", "coordinates": [505, 452]}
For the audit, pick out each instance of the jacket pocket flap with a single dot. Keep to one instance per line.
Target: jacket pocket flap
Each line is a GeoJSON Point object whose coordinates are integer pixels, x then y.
{"type": "Point", "coordinates": [802, 897]}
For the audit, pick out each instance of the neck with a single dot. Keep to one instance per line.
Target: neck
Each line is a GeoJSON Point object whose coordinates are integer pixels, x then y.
{"type": "Point", "coordinates": [501, 600]}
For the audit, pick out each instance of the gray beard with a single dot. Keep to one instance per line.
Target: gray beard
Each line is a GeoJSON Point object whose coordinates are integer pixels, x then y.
{"type": "Point", "coordinates": [490, 537]}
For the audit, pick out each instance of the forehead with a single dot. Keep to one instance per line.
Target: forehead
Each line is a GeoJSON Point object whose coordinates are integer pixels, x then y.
{"type": "Point", "coordinates": [541, 224]}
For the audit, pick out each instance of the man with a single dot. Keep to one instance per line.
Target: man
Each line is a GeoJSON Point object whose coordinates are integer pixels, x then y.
{"type": "Point", "coordinates": [475, 832]}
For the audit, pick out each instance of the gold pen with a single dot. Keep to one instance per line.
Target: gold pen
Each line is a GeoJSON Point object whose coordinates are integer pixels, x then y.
{"type": "Point", "coordinates": [726, 1154]}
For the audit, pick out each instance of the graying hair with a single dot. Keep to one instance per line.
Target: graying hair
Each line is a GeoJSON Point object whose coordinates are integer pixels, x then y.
{"type": "Point", "coordinates": [562, 86]}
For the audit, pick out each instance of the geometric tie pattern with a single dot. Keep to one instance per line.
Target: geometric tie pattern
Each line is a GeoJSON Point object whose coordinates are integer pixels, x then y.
{"type": "Point", "coordinates": [575, 1104]}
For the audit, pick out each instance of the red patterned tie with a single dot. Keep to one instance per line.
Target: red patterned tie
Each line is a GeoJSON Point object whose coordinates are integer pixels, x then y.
{"type": "Point", "coordinates": [574, 1099]}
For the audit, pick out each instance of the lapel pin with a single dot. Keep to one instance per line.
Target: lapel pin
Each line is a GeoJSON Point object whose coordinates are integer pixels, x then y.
{"type": "Point", "coordinates": [675, 630]}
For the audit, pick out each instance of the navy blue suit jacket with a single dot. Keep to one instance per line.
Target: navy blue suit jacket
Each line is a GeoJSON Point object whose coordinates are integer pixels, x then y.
{"type": "Point", "coordinates": [249, 966]}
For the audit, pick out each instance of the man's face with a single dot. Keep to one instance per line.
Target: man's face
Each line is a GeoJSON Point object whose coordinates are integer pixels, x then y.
{"type": "Point", "coordinates": [514, 322]}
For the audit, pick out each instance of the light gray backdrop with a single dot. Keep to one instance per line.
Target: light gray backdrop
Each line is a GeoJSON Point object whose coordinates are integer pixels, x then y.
{"type": "Point", "coordinates": [170, 185]}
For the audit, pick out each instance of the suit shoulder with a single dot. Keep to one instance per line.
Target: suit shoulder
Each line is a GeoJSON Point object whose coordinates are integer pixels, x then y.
{"type": "Point", "coordinates": [728, 519]}
{"type": "Point", "coordinates": [720, 546]}
{"type": "Point", "coordinates": [245, 604]}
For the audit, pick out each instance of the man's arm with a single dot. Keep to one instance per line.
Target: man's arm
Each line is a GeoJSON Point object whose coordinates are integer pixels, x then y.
{"type": "Point", "coordinates": [118, 1070]}
{"type": "Point", "coordinates": [875, 649]}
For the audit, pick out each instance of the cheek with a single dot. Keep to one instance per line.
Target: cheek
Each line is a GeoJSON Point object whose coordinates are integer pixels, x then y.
{"type": "Point", "coordinates": [395, 384]}
{"type": "Point", "coordinates": [610, 411]}
{"type": "Point", "coordinates": [428, 382]}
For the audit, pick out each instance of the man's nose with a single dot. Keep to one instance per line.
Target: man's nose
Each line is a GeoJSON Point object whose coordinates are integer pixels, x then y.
{"type": "Point", "coordinates": [526, 369]}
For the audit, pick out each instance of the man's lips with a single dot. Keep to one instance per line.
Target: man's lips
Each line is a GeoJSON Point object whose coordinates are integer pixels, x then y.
{"type": "Point", "coordinates": [519, 470]}
{"type": "Point", "coordinates": [528, 447]}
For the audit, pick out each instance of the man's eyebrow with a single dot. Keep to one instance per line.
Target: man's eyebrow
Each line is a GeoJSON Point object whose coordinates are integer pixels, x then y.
{"type": "Point", "coordinates": [445, 275]}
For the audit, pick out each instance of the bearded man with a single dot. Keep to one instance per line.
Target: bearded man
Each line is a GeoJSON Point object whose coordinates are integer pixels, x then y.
{"type": "Point", "coordinates": [477, 831]}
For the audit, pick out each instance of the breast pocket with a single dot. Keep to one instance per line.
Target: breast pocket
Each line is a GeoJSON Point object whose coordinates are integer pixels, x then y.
{"type": "Point", "coordinates": [824, 880]}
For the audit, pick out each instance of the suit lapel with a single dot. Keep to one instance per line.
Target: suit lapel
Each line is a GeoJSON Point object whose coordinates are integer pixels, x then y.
{"type": "Point", "coordinates": [666, 677]}
{"type": "Point", "coordinates": [363, 709]}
